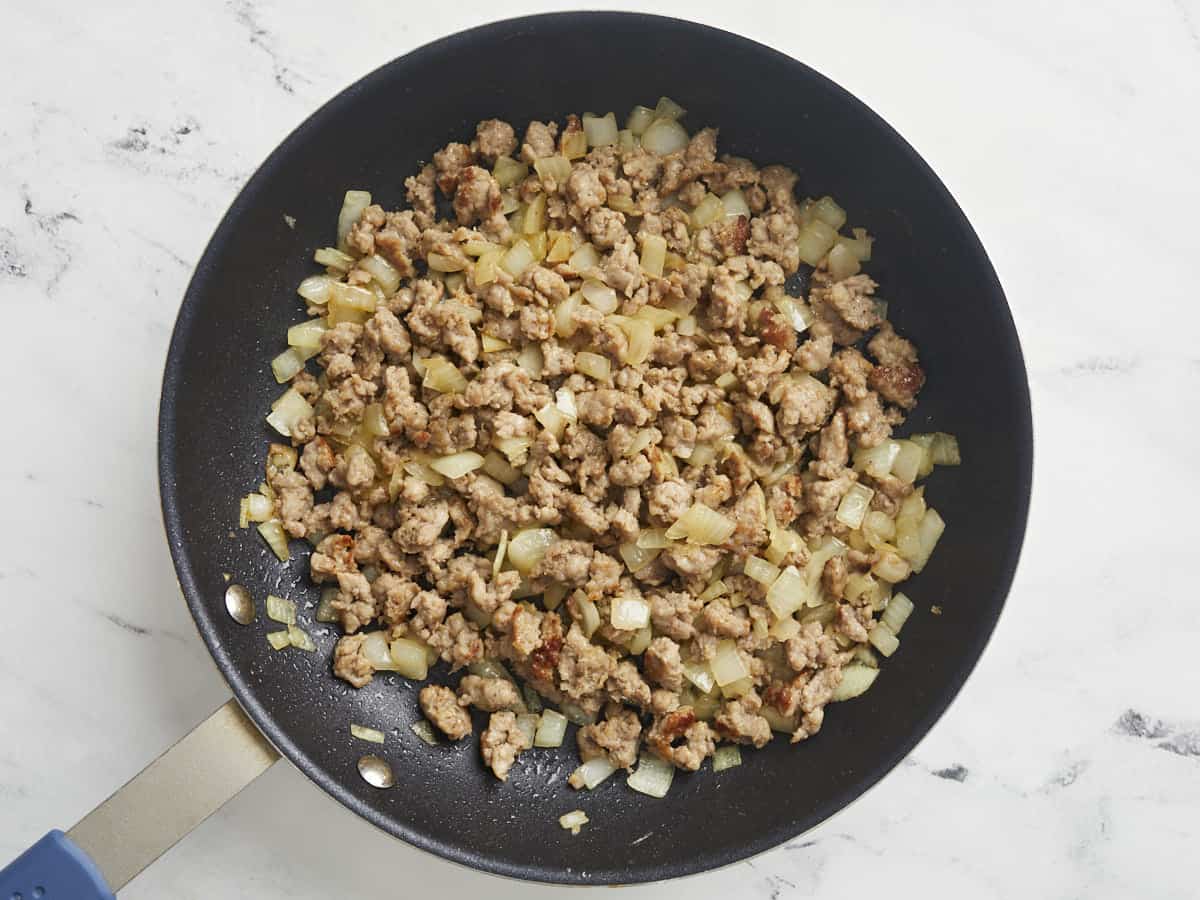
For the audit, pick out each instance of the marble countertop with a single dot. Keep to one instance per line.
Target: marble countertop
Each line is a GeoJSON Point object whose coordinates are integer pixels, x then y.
{"type": "Point", "coordinates": [1070, 765]}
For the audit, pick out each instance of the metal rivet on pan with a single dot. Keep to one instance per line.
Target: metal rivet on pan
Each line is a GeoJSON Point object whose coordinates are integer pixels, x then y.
{"type": "Point", "coordinates": [240, 604]}
{"type": "Point", "coordinates": [376, 772]}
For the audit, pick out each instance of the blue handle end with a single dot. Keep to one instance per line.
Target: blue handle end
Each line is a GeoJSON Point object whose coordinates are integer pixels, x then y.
{"type": "Point", "coordinates": [53, 869]}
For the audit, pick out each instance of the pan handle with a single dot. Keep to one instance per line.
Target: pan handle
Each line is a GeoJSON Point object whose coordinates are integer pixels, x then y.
{"type": "Point", "coordinates": [146, 817]}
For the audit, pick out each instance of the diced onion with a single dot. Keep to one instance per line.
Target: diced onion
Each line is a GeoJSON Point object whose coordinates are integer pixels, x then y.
{"type": "Point", "coordinates": [600, 130]}
{"type": "Point", "coordinates": [726, 758]}
{"type": "Point", "coordinates": [443, 376]}
{"type": "Point", "coordinates": [790, 591]}
{"type": "Point", "coordinates": [551, 728]}
{"type": "Point", "coordinates": [629, 613]}
{"type": "Point", "coordinates": [727, 665]}
{"type": "Point", "coordinates": [883, 640]}
{"type": "Point", "coordinates": [576, 714]}
{"type": "Point", "coordinates": [526, 548]}
{"type": "Point", "coordinates": [718, 588]}
{"type": "Point", "coordinates": [929, 531]}
{"type": "Point", "coordinates": [440, 262]}
{"type": "Point", "coordinates": [584, 259]}
{"type": "Point", "coordinates": [496, 466]}
{"type": "Point", "coordinates": [640, 335]}
{"type": "Point", "coordinates": [299, 638]}
{"type": "Point", "coordinates": [576, 818]}
{"type": "Point", "coordinates": [553, 168]}
{"type": "Point", "coordinates": [273, 533]}
{"type": "Point", "coordinates": [573, 144]}
{"type": "Point", "coordinates": [859, 245]}
{"type": "Point", "coordinates": [699, 675]}
{"type": "Point", "coordinates": [515, 448]}
{"type": "Point", "coordinates": [668, 109]}
{"type": "Point", "coordinates": [333, 258]}
{"type": "Point", "coordinates": [315, 289]}
{"type": "Point", "coordinates": [258, 508]}
{"type": "Point", "coordinates": [564, 315]}
{"type": "Point", "coordinates": [816, 238]}
{"type": "Point", "coordinates": [552, 419]}
{"type": "Point", "coordinates": [664, 136]}
{"type": "Point", "coordinates": [735, 203]}
{"type": "Point", "coordinates": [485, 266]}
{"type": "Point", "coordinates": [286, 365]}
{"type": "Point", "coordinates": [599, 295]}
{"type": "Point", "coordinates": [593, 772]}
{"type": "Point", "coordinates": [687, 327]}
{"type": "Point", "coordinates": [907, 462]}
{"type": "Point", "coordinates": [375, 651]}
{"type": "Point", "coordinates": [281, 609]}
{"type": "Point", "coordinates": [653, 776]}
{"type": "Point", "coordinates": [420, 470]}
{"type": "Point", "coordinates": [287, 411]}
{"type": "Point", "coordinates": [325, 611]}
{"type": "Point", "coordinates": [854, 505]}
{"type": "Point", "coordinates": [553, 596]}
{"type": "Point", "coordinates": [527, 724]}
{"type": "Point", "coordinates": [636, 557]}
{"type": "Point", "coordinates": [653, 539]}
{"type": "Point", "coordinates": [760, 570]}
{"type": "Point", "coordinates": [279, 639]}
{"type": "Point", "coordinates": [639, 119]}
{"type": "Point", "coordinates": [564, 399]}
{"type": "Point", "coordinates": [307, 335]}
{"type": "Point", "coordinates": [532, 360]}
{"type": "Point", "coordinates": [593, 365]}
{"type": "Point", "coordinates": [782, 629]}
{"type": "Point", "coordinates": [424, 730]}
{"type": "Point", "coordinates": [518, 258]}
{"type": "Point", "coordinates": [366, 734]}
{"type": "Point", "coordinates": [877, 461]}
{"type": "Point", "coordinates": [507, 171]}
{"type": "Point", "coordinates": [560, 248]}
{"type": "Point", "coordinates": [627, 140]}
{"type": "Point", "coordinates": [842, 262]}
{"type": "Point", "coordinates": [352, 206]}
{"type": "Point", "coordinates": [641, 640]}
{"type": "Point", "coordinates": [944, 450]}
{"type": "Point", "coordinates": [589, 615]}
{"type": "Point", "coordinates": [829, 212]}
{"type": "Point", "coordinates": [409, 658]}
{"type": "Point", "coordinates": [654, 254]}
{"type": "Point", "coordinates": [890, 567]}
{"type": "Point", "coordinates": [707, 211]}
{"type": "Point", "coordinates": [382, 271]}
{"type": "Point", "coordinates": [795, 312]}
{"type": "Point", "coordinates": [855, 681]}
{"type": "Point", "coordinates": [896, 613]}
{"type": "Point", "coordinates": [457, 465]}
{"type": "Point", "coordinates": [702, 525]}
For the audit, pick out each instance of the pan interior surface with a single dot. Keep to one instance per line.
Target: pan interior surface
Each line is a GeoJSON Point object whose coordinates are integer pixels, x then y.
{"type": "Point", "coordinates": [218, 387]}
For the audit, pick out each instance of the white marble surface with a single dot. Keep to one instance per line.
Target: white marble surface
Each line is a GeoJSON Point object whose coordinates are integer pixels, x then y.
{"type": "Point", "coordinates": [1070, 765]}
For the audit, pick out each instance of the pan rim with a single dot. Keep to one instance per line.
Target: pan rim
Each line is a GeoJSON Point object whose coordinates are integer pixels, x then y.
{"type": "Point", "coordinates": [769, 837]}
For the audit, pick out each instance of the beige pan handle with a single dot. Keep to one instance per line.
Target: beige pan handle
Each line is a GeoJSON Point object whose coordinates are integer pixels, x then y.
{"type": "Point", "coordinates": [174, 794]}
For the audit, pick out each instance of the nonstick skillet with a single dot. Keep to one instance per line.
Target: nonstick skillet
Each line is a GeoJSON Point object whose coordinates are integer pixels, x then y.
{"type": "Point", "coordinates": [217, 387]}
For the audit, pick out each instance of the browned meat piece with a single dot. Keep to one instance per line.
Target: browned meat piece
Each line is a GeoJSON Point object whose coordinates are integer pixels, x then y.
{"type": "Point", "coordinates": [616, 738]}
{"type": "Point", "coordinates": [502, 743]}
{"type": "Point", "coordinates": [679, 738]}
{"type": "Point", "coordinates": [488, 694]}
{"type": "Point", "coordinates": [441, 708]}
{"type": "Point", "coordinates": [349, 663]}
{"type": "Point", "coordinates": [494, 138]}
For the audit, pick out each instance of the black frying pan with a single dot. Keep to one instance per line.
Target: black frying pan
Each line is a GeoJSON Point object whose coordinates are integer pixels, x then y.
{"type": "Point", "coordinates": [217, 388]}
